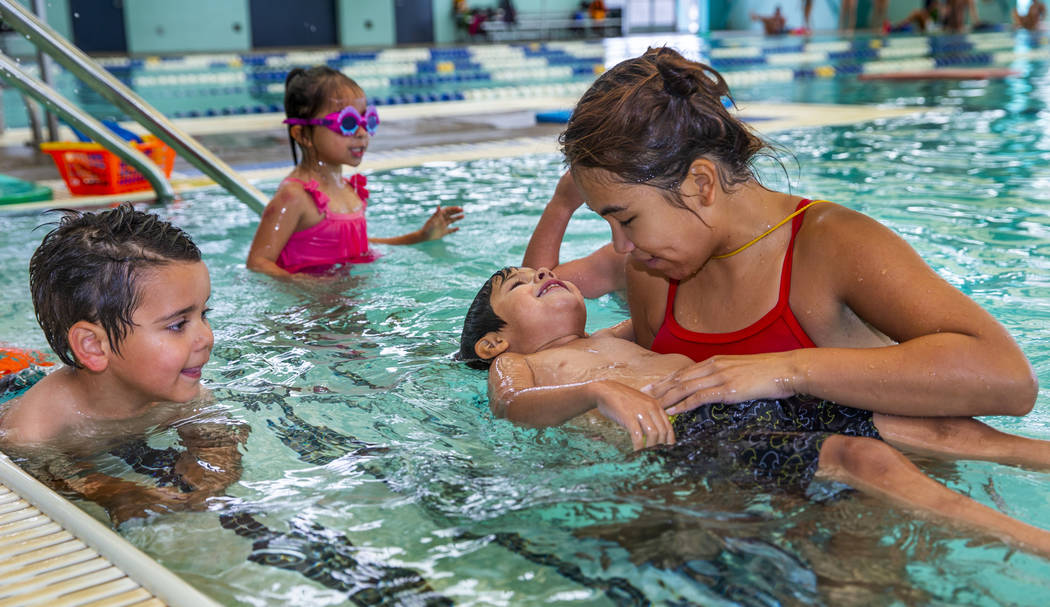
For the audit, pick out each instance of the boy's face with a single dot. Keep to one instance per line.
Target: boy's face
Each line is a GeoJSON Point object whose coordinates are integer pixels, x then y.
{"type": "Point", "coordinates": [162, 354]}
{"type": "Point", "coordinates": [538, 308]}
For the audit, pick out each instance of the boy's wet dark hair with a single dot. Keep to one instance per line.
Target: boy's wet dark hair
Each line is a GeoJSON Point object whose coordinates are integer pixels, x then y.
{"type": "Point", "coordinates": [306, 91]}
{"type": "Point", "coordinates": [88, 268]}
{"type": "Point", "coordinates": [480, 320]}
{"type": "Point", "coordinates": [647, 119]}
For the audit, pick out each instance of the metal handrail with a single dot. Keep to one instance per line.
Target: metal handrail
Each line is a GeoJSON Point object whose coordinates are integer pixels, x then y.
{"type": "Point", "coordinates": [91, 73]}
{"type": "Point", "coordinates": [40, 8]}
{"type": "Point", "coordinates": [10, 72]}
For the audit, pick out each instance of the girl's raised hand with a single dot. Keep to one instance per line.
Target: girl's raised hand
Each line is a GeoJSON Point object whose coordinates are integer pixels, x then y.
{"type": "Point", "coordinates": [438, 225]}
{"type": "Point", "coordinates": [725, 379]}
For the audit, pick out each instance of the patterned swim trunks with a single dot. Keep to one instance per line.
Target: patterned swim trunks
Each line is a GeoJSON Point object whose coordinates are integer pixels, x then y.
{"type": "Point", "coordinates": [773, 443]}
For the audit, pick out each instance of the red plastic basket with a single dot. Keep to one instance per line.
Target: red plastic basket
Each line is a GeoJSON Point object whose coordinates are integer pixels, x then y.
{"type": "Point", "coordinates": [90, 169]}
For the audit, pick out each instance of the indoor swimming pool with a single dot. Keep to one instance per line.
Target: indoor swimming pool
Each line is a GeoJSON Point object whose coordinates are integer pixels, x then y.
{"type": "Point", "coordinates": [375, 471]}
{"type": "Point", "coordinates": [375, 474]}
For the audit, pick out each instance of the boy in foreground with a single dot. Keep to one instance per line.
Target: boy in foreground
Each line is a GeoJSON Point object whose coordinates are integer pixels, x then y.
{"type": "Point", "coordinates": [122, 298]}
{"type": "Point", "coordinates": [527, 327]}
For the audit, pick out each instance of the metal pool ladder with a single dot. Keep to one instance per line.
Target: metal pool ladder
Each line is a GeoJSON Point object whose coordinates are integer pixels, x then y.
{"type": "Point", "coordinates": [55, 554]}
{"type": "Point", "coordinates": [88, 70]}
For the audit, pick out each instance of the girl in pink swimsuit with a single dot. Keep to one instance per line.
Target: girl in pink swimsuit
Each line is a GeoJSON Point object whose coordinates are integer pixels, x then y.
{"type": "Point", "coordinates": [316, 220]}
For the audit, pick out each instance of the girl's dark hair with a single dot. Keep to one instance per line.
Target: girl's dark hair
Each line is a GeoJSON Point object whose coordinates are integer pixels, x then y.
{"type": "Point", "coordinates": [306, 92]}
{"type": "Point", "coordinates": [647, 119]}
{"type": "Point", "coordinates": [89, 266]}
{"type": "Point", "coordinates": [481, 319]}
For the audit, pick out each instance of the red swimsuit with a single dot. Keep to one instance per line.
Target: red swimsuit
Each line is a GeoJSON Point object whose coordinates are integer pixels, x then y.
{"type": "Point", "coordinates": [777, 331]}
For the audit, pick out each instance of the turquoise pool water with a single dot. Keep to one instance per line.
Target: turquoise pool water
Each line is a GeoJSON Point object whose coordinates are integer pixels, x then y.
{"type": "Point", "coordinates": [379, 474]}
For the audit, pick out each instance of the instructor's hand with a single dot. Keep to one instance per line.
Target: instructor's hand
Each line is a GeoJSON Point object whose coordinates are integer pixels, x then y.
{"type": "Point", "coordinates": [725, 379]}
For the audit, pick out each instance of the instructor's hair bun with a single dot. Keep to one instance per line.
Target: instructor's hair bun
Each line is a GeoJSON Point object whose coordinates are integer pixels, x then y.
{"type": "Point", "coordinates": [679, 80]}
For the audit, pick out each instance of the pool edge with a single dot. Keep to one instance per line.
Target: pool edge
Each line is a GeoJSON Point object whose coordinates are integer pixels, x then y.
{"type": "Point", "coordinates": [133, 563]}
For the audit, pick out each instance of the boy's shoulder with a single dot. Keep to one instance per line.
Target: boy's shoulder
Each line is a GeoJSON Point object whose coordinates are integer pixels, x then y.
{"type": "Point", "coordinates": [42, 413]}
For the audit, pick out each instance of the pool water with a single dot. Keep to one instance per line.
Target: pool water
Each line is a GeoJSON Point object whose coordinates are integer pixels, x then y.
{"type": "Point", "coordinates": [374, 471]}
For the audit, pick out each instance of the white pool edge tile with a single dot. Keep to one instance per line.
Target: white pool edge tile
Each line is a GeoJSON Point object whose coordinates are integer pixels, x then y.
{"type": "Point", "coordinates": [135, 564]}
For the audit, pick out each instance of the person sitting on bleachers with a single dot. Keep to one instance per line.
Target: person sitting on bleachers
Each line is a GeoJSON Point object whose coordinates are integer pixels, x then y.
{"type": "Point", "coordinates": [509, 12]}
{"type": "Point", "coordinates": [1030, 20]}
{"type": "Point", "coordinates": [774, 24]}
{"type": "Point", "coordinates": [596, 10]}
{"type": "Point", "coordinates": [461, 15]}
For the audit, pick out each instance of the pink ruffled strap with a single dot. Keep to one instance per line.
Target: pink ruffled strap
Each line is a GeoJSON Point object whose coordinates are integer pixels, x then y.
{"type": "Point", "coordinates": [358, 182]}
{"type": "Point", "coordinates": [314, 190]}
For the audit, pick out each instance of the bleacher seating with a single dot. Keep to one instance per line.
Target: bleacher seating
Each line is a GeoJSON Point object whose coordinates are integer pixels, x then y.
{"type": "Point", "coordinates": [550, 26]}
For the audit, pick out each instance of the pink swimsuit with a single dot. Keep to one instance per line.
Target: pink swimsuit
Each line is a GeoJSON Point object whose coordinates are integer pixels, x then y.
{"type": "Point", "coordinates": [338, 238]}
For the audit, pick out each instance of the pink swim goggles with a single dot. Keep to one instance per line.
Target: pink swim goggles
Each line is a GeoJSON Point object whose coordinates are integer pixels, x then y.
{"type": "Point", "coordinates": [345, 122]}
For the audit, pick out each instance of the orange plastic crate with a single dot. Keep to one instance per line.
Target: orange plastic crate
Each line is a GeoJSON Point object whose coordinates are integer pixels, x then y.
{"type": "Point", "coordinates": [90, 169]}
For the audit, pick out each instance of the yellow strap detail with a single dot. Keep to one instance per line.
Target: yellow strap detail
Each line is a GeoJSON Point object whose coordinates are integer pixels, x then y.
{"type": "Point", "coordinates": [770, 230]}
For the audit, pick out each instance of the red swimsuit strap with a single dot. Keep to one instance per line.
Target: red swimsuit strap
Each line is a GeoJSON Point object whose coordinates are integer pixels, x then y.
{"type": "Point", "coordinates": [783, 295]}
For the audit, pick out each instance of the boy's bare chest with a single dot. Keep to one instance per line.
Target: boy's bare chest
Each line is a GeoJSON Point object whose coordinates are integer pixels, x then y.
{"type": "Point", "coordinates": [603, 358]}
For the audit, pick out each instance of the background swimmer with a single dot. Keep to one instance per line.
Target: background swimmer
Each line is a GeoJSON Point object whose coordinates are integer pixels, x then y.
{"type": "Point", "coordinates": [316, 219]}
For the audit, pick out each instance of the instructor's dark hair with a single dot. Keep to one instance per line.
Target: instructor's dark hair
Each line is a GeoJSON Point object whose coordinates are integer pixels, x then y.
{"type": "Point", "coordinates": [647, 119]}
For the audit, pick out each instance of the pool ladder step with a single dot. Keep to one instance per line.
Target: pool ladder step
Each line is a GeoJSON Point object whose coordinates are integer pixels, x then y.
{"type": "Point", "coordinates": [53, 554]}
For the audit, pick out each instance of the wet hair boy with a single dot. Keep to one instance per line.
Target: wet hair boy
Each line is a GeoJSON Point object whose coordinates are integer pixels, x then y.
{"type": "Point", "coordinates": [122, 299]}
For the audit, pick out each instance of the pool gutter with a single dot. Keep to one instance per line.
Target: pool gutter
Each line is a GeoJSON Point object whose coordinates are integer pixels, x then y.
{"type": "Point", "coordinates": [68, 557]}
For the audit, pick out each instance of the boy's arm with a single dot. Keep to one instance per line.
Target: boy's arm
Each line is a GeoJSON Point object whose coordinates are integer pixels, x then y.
{"type": "Point", "coordinates": [212, 460]}
{"type": "Point", "coordinates": [515, 395]}
{"type": "Point", "coordinates": [211, 463]}
{"type": "Point", "coordinates": [124, 499]}
{"type": "Point", "coordinates": [622, 330]}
